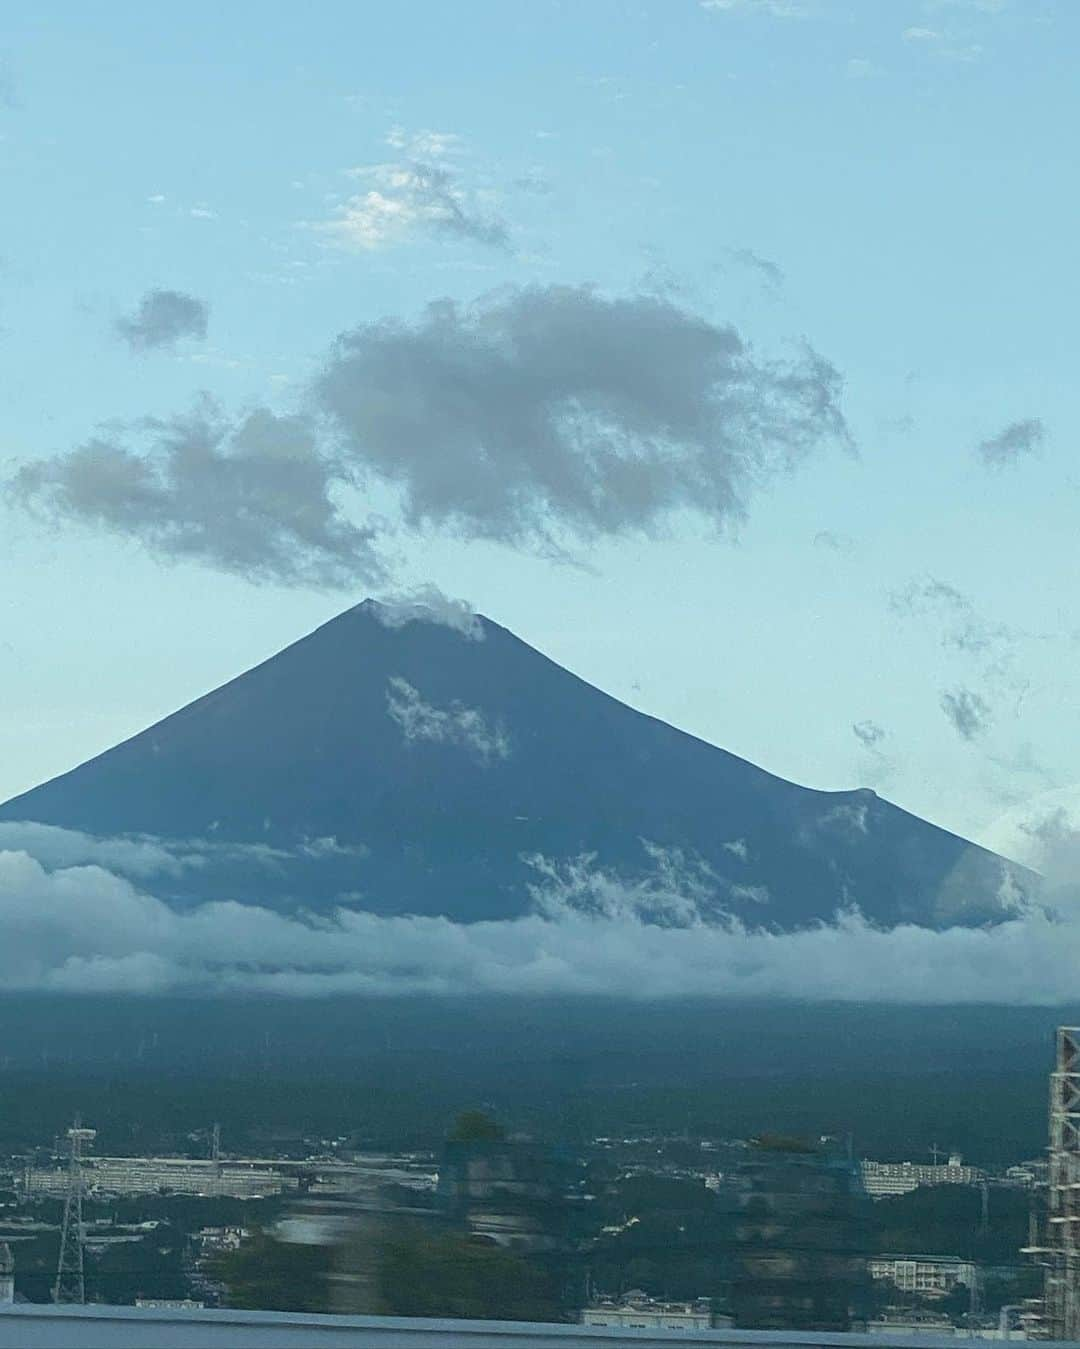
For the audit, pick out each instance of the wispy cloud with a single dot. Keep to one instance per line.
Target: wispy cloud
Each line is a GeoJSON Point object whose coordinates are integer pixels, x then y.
{"type": "Point", "coordinates": [162, 319]}
{"type": "Point", "coordinates": [411, 198]}
{"type": "Point", "coordinates": [428, 604]}
{"type": "Point", "coordinates": [776, 9]}
{"type": "Point", "coordinates": [424, 144]}
{"type": "Point", "coordinates": [767, 271]}
{"type": "Point", "coordinates": [868, 733]}
{"type": "Point", "coordinates": [421, 721]}
{"type": "Point", "coordinates": [1019, 440]}
{"type": "Point", "coordinates": [968, 713]}
{"type": "Point", "coordinates": [963, 627]}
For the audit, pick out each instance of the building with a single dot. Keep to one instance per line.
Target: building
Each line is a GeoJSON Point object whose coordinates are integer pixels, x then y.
{"type": "Point", "coordinates": [881, 1179]}
{"type": "Point", "coordinates": [512, 1192]}
{"type": "Point", "coordinates": [931, 1276]}
{"type": "Point", "coordinates": [239, 1179]}
{"type": "Point", "coordinates": [798, 1258]}
{"type": "Point", "coordinates": [636, 1310]}
{"type": "Point", "coordinates": [7, 1275]}
{"type": "Point", "coordinates": [170, 1304]}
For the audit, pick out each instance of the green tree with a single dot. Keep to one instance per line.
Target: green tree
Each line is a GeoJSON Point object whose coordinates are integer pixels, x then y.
{"type": "Point", "coordinates": [463, 1276]}
{"type": "Point", "coordinates": [475, 1126]}
{"type": "Point", "coordinates": [269, 1275]}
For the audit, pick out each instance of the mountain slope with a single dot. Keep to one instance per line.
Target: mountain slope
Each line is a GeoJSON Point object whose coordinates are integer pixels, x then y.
{"type": "Point", "coordinates": [417, 769]}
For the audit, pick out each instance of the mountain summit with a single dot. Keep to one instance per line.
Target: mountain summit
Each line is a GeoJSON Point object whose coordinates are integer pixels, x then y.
{"type": "Point", "coordinates": [401, 763]}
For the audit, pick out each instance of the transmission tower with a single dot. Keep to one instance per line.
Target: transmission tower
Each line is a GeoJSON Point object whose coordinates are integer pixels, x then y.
{"type": "Point", "coordinates": [70, 1285]}
{"type": "Point", "coordinates": [1062, 1279]}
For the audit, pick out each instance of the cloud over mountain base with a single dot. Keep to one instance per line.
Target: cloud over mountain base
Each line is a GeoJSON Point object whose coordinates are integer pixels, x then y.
{"type": "Point", "coordinates": [87, 929]}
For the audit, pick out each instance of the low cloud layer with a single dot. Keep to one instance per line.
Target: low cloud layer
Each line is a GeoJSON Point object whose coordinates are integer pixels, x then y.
{"type": "Point", "coordinates": [162, 319]}
{"type": "Point", "coordinates": [1018, 440]}
{"type": "Point", "coordinates": [146, 858]}
{"type": "Point", "coordinates": [252, 497]}
{"type": "Point", "coordinates": [86, 929]}
{"type": "Point", "coordinates": [421, 721]}
{"type": "Point", "coordinates": [543, 416]}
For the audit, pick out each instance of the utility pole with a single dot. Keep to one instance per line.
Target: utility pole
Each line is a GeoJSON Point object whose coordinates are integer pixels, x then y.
{"type": "Point", "coordinates": [70, 1285]}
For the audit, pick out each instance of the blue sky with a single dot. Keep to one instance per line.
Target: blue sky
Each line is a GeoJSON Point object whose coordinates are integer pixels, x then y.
{"type": "Point", "coordinates": [890, 181]}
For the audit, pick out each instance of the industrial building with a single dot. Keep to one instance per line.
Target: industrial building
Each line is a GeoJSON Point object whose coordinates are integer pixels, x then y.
{"type": "Point", "coordinates": [160, 1175]}
{"type": "Point", "coordinates": [882, 1179]}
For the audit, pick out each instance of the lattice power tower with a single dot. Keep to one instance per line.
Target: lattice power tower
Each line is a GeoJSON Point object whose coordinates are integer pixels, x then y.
{"type": "Point", "coordinates": [1061, 1252]}
{"type": "Point", "coordinates": [70, 1285]}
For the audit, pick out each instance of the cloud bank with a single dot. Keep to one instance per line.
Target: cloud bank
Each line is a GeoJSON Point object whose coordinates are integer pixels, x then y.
{"type": "Point", "coordinates": [85, 929]}
{"type": "Point", "coordinates": [162, 319]}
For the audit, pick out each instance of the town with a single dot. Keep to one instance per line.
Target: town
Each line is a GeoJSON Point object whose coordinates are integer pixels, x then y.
{"type": "Point", "coordinates": [666, 1231]}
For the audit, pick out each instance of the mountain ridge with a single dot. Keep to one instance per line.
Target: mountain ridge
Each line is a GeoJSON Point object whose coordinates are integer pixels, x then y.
{"type": "Point", "coordinates": [414, 767]}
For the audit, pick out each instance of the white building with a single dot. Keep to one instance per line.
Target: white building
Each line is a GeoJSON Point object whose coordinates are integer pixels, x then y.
{"type": "Point", "coordinates": [153, 1175]}
{"type": "Point", "coordinates": [639, 1311]}
{"type": "Point", "coordinates": [927, 1275]}
{"type": "Point", "coordinates": [881, 1179]}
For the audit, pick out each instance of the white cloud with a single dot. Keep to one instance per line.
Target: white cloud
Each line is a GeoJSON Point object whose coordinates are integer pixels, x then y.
{"type": "Point", "coordinates": [421, 721]}
{"type": "Point", "coordinates": [409, 198]}
{"type": "Point", "coordinates": [136, 856]}
{"type": "Point", "coordinates": [83, 929]}
{"type": "Point", "coordinates": [143, 857]}
{"type": "Point", "coordinates": [921, 35]}
{"type": "Point", "coordinates": [424, 144]}
{"type": "Point", "coordinates": [428, 604]}
{"type": "Point", "coordinates": [777, 9]}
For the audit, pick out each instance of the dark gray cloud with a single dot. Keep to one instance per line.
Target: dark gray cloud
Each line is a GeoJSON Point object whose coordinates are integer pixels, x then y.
{"type": "Point", "coordinates": [868, 733]}
{"type": "Point", "coordinates": [1014, 442]}
{"type": "Point", "coordinates": [543, 416]}
{"type": "Point", "coordinates": [251, 497]}
{"type": "Point", "coordinates": [162, 319]}
{"type": "Point", "coordinates": [969, 713]}
{"type": "Point", "coordinates": [555, 409]}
